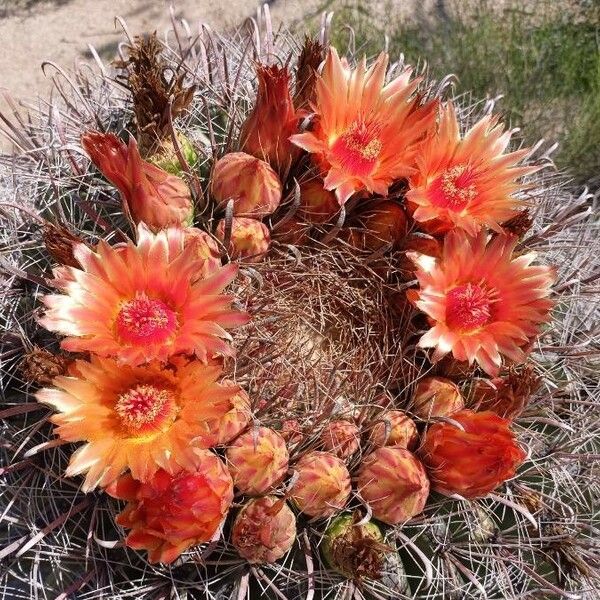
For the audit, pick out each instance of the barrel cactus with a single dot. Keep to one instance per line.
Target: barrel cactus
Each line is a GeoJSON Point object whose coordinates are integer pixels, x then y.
{"type": "Point", "coordinates": [155, 320]}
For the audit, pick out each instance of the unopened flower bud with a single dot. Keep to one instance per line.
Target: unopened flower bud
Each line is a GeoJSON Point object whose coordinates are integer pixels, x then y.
{"type": "Point", "coordinates": [249, 240]}
{"type": "Point", "coordinates": [267, 130]}
{"type": "Point", "coordinates": [436, 397]}
{"type": "Point", "coordinates": [264, 530]}
{"type": "Point", "coordinates": [323, 485]}
{"type": "Point", "coordinates": [317, 204]}
{"type": "Point", "coordinates": [383, 225]}
{"type": "Point", "coordinates": [250, 182]}
{"type": "Point", "coordinates": [152, 195]}
{"type": "Point", "coordinates": [394, 484]}
{"type": "Point", "coordinates": [206, 250]}
{"type": "Point", "coordinates": [394, 428]}
{"type": "Point", "coordinates": [340, 437]}
{"type": "Point", "coordinates": [257, 460]}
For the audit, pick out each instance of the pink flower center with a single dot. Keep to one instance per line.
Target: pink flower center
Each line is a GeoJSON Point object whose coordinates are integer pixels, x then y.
{"type": "Point", "coordinates": [358, 149]}
{"type": "Point", "coordinates": [146, 408]}
{"type": "Point", "coordinates": [453, 189]}
{"type": "Point", "coordinates": [468, 307]}
{"type": "Point", "coordinates": [145, 320]}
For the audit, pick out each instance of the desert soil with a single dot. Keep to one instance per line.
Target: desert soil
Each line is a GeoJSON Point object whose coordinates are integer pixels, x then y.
{"type": "Point", "coordinates": [33, 31]}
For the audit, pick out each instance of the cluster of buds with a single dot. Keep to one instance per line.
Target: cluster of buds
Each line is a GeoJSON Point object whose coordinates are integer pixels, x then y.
{"type": "Point", "coordinates": [254, 189]}
{"type": "Point", "coordinates": [462, 452]}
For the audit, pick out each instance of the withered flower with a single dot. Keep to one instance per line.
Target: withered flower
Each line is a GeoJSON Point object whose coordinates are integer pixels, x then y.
{"type": "Point", "coordinates": [60, 242]}
{"type": "Point", "coordinates": [311, 56]}
{"type": "Point", "coordinates": [159, 95]}
{"type": "Point", "coordinates": [507, 395]}
{"type": "Point", "coordinates": [355, 550]}
{"type": "Point", "coordinates": [42, 366]}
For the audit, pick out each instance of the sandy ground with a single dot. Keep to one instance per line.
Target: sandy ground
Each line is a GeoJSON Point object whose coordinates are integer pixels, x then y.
{"type": "Point", "coordinates": [32, 32]}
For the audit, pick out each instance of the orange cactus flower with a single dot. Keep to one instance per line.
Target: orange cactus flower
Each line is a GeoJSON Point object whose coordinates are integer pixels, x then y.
{"type": "Point", "coordinates": [483, 302]}
{"type": "Point", "coordinates": [172, 512]}
{"type": "Point", "coordinates": [267, 130]}
{"type": "Point", "coordinates": [152, 195]}
{"type": "Point", "coordinates": [137, 418]}
{"type": "Point", "coordinates": [143, 302]}
{"type": "Point", "coordinates": [366, 134]}
{"type": "Point", "coordinates": [467, 182]}
{"type": "Point", "coordinates": [474, 460]}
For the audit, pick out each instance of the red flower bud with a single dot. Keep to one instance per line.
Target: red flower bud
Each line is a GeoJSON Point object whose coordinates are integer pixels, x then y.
{"type": "Point", "coordinates": [267, 130]}
{"type": "Point", "coordinates": [472, 462]}
{"type": "Point", "coordinates": [383, 225]}
{"type": "Point", "coordinates": [258, 461]}
{"type": "Point", "coordinates": [323, 485]}
{"type": "Point", "coordinates": [170, 513]}
{"type": "Point", "coordinates": [394, 483]}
